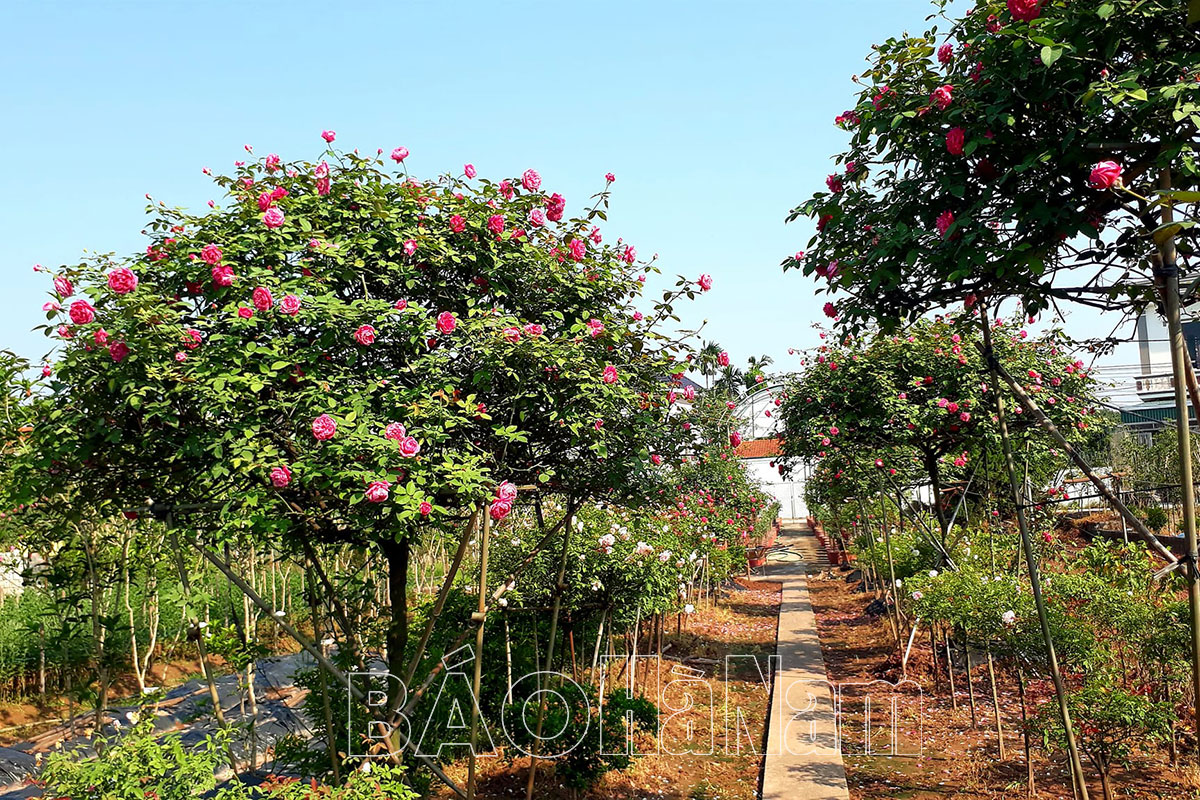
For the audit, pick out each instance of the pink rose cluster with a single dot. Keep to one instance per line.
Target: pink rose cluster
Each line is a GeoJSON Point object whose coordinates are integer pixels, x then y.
{"type": "Point", "coordinates": [506, 494]}
{"type": "Point", "coordinates": [409, 446]}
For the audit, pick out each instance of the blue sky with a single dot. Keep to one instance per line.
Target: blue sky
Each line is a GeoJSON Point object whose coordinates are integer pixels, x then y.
{"type": "Point", "coordinates": [716, 118]}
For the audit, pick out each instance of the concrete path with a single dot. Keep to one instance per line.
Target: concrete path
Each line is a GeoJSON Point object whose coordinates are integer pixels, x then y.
{"type": "Point", "coordinates": [803, 759]}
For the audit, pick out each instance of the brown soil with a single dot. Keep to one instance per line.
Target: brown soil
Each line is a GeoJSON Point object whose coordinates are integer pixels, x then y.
{"type": "Point", "coordinates": [741, 623]}
{"type": "Point", "coordinates": [955, 758]}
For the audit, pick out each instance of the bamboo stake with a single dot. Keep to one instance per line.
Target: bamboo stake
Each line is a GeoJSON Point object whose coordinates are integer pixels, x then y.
{"type": "Point", "coordinates": [559, 587]}
{"type": "Point", "coordinates": [1166, 273]}
{"type": "Point", "coordinates": [321, 659]}
{"type": "Point", "coordinates": [996, 702]}
{"type": "Point", "coordinates": [1027, 403]}
{"type": "Point", "coordinates": [1035, 580]}
{"type": "Point", "coordinates": [480, 617]}
{"type": "Point", "coordinates": [419, 653]}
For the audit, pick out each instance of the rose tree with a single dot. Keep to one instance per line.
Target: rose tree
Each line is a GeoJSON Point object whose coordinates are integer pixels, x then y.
{"type": "Point", "coordinates": [339, 352]}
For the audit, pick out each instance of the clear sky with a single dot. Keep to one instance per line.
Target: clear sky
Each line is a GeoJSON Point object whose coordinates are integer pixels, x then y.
{"type": "Point", "coordinates": [716, 118]}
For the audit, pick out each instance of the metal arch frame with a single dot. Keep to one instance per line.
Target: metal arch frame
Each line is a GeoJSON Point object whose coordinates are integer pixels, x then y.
{"type": "Point", "coordinates": [749, 402]}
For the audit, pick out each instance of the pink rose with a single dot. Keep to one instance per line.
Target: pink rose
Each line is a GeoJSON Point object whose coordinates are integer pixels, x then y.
{"type": "Point", "coordinates": [533, 329]}
{"type": "Point", "coordinates": [273, 218]}
{"type": "Point", "coordinates": [118, 351]}
{"type": "Point", "coordinates": [511, 334]}
{"type": "Point", "coordinates": [122, 280]}
{"type": "Point", "coordinates": [245, 313]}
{"type": "Point", "coordinates": [578, 249]}
{"type": "Point", "coordinates": [555, 207]}
{"type": "Point", "coordinates": [506, 190]}
{"type": "Point", "coordinates": [329, 136]}
{"type": "Point", "coordinates": [495, 224]}
{"type": "Point", "coordinates": [955, 139]}
{"type": "Point", "coordinates": [1025, 10]}
{"type": "Point", "coordinates": [500, 509]}
{"type": "Point", "coordinates": [377, 491]}
{"type": "Point", "coordinates": [457, 224]}
{"type": "Point", "coordinates": [222, 275]}
{"type": "Point", "coordinates": [610, 374]}
{"type": "Point", "coordinates": [365, 335]}
{"type": "Point", "coordinates": [410, 246]}
{"type": "Point", "coordinates": [830, 310]}
{"type": "Point", "coordinates": [735, 439]}
{"type": "Point", "coordinates": [265, 201]}
{"type": "Point", "coordinates": [944, 221]}
{"type": "Point", "coordinates": [446, 323]}
{"type": "Point", "coordinates": [46, 371]}
{"type": "Point", "coordinates": [705, 282]}
{"type": "Point", "coordinates": [324, 427]}
{"type": "Point", "coordinates": [655, 459]}
{"type": "Point", "coordinates": [192, 338]}
{"type": "Point", "coordinates": [531, 181]}
{"type": "Point", "coordinates": [400, 305]}
{"type": "Point", "coordinates": [723, 359]}
{"type": "Point", "coordinates": [425, 508]}
{"type": "Point", "coordinates": [211, 254]}
{"type": "Point", "coordinates": [834, 183]}
{"type": "Point", "coordinates": [409, 447]}
{"type": "Point", "coordinates": [399, 154]}
{"type": "Point", "coordinates": [82, 312]}
{"type": "Point", "coordinates": [394, 431]}
{"type": "Point", "coordinates": [272, 162]}
{"type": "Point", "coordinates": [537, 217]}
{"type": "Point", "coordinates": [1106, 175]}
{"type": "Point", "coordinates": [595, 327]}
{"type": "Point", "coordinates": [942, 96]}
{"type": "Point", "coordinates": [469, 170]}
{"type": "Point", "coordinates": [262, 299]}
{"type": "Point", "coordinates": [290, 305]}
{"type": "Point", "coordinates": [609, 177]}
{"type": "Point", "coordinates": [281, 476]}
{"type": "Point", "coordinates": [506, 491]}
{"type": "Point", "coordinates": [63, 287]}
{"type": "Point", "coordinates": [100, 337]}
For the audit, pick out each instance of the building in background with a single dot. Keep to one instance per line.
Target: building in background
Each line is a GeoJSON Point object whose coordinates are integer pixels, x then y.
{"type": "Point", "coordinates": [1154, 384]}
{"type": "Point", "coordinates": [755, 417]}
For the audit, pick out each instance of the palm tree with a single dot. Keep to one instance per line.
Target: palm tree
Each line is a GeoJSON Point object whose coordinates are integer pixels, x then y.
{"type": "Point", "coordinates": [755, 368]}
{"type": "Point", "coordinates": [707, 361]}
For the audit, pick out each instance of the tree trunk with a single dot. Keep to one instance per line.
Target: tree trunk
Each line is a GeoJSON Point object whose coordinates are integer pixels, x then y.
{"type": "Point", "coordinates": [397, 555]}
{"type": "Point", "coordinates": [935, 478]}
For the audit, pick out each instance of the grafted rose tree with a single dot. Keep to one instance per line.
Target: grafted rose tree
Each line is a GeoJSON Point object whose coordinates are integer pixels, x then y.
{"type": "Point", "coordinates": [338, 352]}
{"type": "Point", "coordinates": [915, 401]}
{"type": "Point", "coordinates": [984, 172]}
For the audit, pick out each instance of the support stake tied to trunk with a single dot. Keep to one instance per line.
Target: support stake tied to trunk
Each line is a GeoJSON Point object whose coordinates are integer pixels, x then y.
{"type": "Point", "coordinates": [1035, 581]}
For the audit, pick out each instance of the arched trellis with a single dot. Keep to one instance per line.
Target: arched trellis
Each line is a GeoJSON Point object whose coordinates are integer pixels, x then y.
{"type": "Point", "coordinates": [750, 410]}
